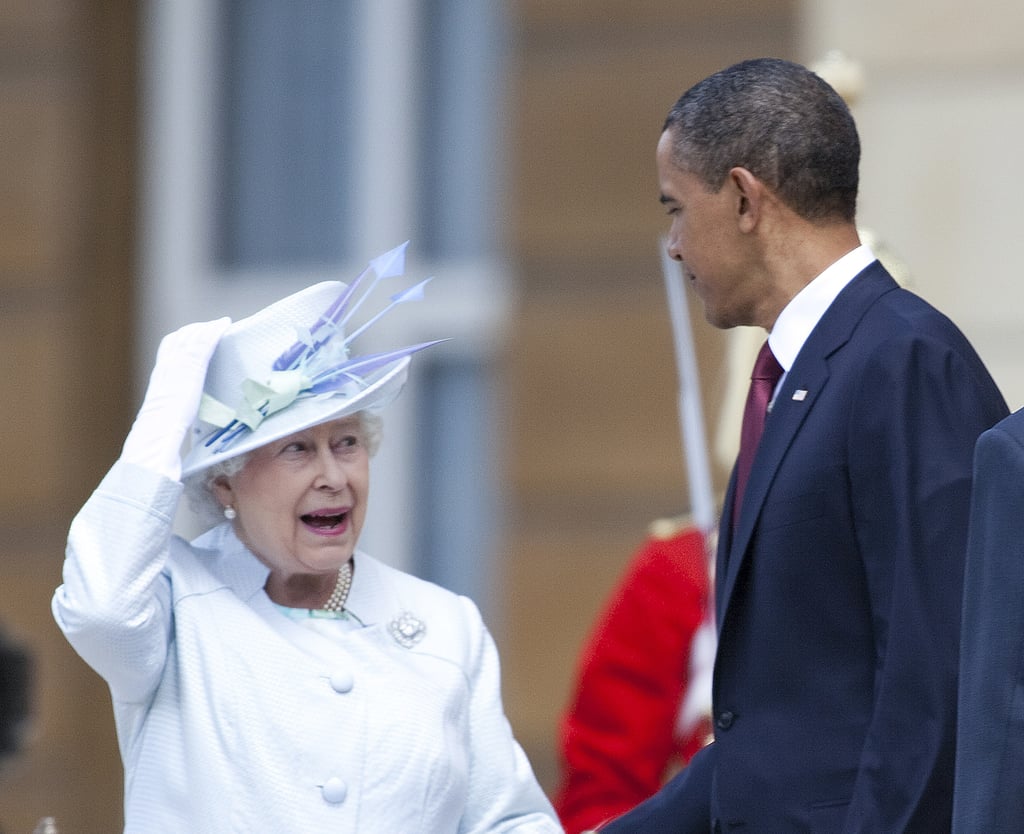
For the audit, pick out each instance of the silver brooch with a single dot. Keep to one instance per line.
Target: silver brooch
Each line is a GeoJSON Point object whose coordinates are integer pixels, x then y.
{"type": "Point", "coordinates": [407, 629]}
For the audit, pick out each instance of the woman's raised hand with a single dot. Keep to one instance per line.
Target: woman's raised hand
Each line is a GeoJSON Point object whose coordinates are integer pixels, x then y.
{"type": "Point", "coordinates": [172, 397]}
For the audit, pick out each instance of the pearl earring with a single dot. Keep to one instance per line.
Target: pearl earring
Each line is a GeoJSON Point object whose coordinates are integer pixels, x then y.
{"type": "Point", "coordinates": [229, 513]}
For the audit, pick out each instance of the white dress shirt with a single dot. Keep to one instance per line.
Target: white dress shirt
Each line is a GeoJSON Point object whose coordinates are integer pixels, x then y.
{"type": "Point", "coordinates": [804, 311]}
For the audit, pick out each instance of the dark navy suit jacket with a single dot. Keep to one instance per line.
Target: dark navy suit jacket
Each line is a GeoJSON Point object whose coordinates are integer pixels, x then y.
{"type": "Point", "coordinates": [989, 794]}
{"type": "Point", "coordinates": [838, 593]}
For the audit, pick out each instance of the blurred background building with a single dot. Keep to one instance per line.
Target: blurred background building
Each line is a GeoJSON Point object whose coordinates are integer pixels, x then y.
{"type": "Point", "coordinates": [171, 160]}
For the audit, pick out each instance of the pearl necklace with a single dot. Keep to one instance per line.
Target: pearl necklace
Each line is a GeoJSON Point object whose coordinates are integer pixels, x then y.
{"type": "Point", "coordinates": [336, 601]}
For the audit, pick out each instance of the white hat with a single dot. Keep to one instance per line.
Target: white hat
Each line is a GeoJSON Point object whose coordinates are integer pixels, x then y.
{"type": "Point", "coordinates": [288, 367]}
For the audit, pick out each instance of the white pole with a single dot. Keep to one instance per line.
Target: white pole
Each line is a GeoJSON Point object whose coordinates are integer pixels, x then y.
{"type": "Point", "coordinates": [691, 412]}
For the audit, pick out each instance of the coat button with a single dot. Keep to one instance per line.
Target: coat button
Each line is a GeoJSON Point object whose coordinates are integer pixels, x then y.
{"type": "Point", "coordinates": [724, 720]}
{"type": "Point", "coordinates": [334, 790]}
{"type": "Point", "coordinates": [342, 682]}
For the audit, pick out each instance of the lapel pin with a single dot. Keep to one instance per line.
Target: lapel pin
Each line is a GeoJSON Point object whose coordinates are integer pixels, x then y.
{"type": "Point", "coordinates": [800, 394]}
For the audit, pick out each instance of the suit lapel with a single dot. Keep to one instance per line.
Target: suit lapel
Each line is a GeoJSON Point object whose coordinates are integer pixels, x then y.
{"type": "Point", "coordinates": [800, 390]}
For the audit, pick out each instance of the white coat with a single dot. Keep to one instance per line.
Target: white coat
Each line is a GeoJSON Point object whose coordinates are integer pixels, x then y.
{"type": "Point", "coordinates": [232, 717]}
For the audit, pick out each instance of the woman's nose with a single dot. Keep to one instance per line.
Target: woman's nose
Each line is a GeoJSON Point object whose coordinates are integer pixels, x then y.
{"type": "Point", "coordinates": [330, 474]}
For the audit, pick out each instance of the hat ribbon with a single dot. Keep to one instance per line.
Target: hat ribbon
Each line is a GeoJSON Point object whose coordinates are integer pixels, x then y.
{"type": "Point", "coordinates": [282, 388]}
{"type": "Point", "coordinates": [261, 399]}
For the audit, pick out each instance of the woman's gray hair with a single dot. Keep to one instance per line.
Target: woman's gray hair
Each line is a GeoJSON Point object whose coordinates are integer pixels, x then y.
{"type": "Point", "coordinates": [199, 487]}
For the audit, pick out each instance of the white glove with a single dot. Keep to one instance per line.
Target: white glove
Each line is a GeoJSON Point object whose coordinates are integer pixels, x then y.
{"type": "Point", "coordinates": [172, 398]}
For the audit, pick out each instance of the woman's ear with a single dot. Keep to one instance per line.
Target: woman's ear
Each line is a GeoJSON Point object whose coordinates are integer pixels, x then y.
{"type": "Point", "coordinates": [222, 491]}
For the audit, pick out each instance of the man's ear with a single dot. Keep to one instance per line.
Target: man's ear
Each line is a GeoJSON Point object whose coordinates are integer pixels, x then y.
{"type": "Point", "coordinates": [750, 195]}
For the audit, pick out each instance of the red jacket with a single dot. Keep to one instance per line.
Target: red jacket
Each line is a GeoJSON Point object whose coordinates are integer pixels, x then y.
{"type": "Point", "coordinates": [618, 738]}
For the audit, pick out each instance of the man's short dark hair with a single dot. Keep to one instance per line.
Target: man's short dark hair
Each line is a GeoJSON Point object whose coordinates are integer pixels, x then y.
{"type": "Point", "coordinates": [782, 123]}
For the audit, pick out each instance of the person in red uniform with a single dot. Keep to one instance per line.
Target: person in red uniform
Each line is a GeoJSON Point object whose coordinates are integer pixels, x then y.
{"type": "Point", "coordinates": [626, 729]}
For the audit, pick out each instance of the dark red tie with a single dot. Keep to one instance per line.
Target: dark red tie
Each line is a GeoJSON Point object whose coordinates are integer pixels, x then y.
{"type": "Point", "coordinates": [767, 372]}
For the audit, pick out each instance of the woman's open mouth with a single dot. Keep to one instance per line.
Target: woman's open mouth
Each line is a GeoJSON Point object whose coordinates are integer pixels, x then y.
{"type": "Point", "coordinates": [326, 520]}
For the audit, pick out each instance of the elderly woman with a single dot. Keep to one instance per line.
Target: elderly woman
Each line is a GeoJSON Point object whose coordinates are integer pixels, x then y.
{"type": "Point", "coordinates": [268, 676]}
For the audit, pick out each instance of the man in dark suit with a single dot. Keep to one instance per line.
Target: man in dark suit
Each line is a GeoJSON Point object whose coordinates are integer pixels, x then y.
{"type": "Point", "coordinates": [839, 576]}
{"type": "Point", "coordinates": [989, 793]}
